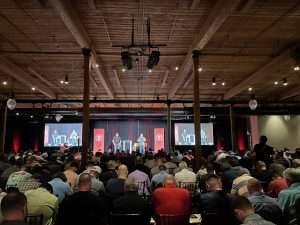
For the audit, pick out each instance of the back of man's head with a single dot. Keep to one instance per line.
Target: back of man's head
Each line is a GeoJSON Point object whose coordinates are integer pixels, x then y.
{"type": "Point", "coordinates": [169, 181]}
{"type": "Point", "coordinates": [162, 168]}
{"type": "Point", "coordinates": [292, 175]}
{"type": "Point", "coordinates": [183, 165]}
{"type": "Point", "coordinates": [14, 206]}
{"type": "Point", "coordinates": [122, 171]}
{"type": "Point", "coordinates": [254, 186]}
{"type": "Point", "coordinates": [263, 139]}
{"type": "Point", "coordinates": [85, 182]}
{"type": "Point", "coordinates": [242, 208]}
{"type": "Point", "coordinates": [213, 183]}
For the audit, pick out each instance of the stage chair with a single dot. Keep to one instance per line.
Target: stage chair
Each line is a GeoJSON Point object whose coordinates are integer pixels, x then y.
{"type": "Point", "coordinates": [128, 219]}
{"type": "Point", "coordinates": [164, 219]}
{"type": "Point", "coordinates": [190, 186]}
{"type": "Point", "coordinates": [34, 219]}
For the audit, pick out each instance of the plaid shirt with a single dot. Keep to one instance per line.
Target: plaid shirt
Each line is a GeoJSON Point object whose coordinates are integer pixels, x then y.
{"type": "Point", "coordinates": [23, 181]}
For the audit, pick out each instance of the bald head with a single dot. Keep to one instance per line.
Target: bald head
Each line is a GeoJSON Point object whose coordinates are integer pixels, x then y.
{"type": "Point", "coordinates": [254, 186]}
{"type": "Point", "coordinates": [213, 183]}
{"type": "Point", "coordinates": [169, 181]}
{"type": "Point", "coordinates": [122, 171]}
{"type": "Point", "coordinates": [85, 182]}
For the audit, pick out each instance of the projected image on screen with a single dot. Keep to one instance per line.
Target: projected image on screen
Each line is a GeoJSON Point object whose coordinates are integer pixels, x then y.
{"type": "Point", "coordinates": [58, 134]}
{"type": "Point", "coordinates": [185, 134]}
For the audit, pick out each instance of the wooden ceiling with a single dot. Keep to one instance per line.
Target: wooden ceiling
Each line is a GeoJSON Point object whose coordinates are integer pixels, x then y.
{"type": "Point", "coordinates": [244, 43]}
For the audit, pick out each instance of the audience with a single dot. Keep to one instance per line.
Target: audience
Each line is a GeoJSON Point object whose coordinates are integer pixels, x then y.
{"type": "Point", "coordinates": [184, 175]}
{"type": "Point", "coordinates": [157, 179]}
{"type": "Point", "coordinates": [142, 179]}
{"type": "Point", "coordinates": [115, 186]}
{"type": "Point", "coordinates": [277, 183]}
{"type": "Point", "coordinates": [60, 187]}
{"type": "Point", "coordinates": [239, 185]}
{"type": "Point", "coordinates": [71, 173]}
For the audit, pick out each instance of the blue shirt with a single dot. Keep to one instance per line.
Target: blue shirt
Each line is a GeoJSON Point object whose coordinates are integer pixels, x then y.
{"type": "Point", "coordinates": [60, 188]}
{"type": "Point", "coordinates": [158, 178]}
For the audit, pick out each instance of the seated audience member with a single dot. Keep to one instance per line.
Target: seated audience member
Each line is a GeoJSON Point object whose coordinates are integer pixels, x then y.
{"type": "Point", "coordinates": [16, 165]}
{"type": "Point", "coordinates": [142, 167]}
{"type": "Point", "coordinates": [14, 208]}
{"type": "Point", "coordinates": [97, 185]}
{"type": "Point", "coordinates": [82, 207]}
{"type": "Point", "coordinates": [239, 185]}
{"type": "Point", "coordinates": [171, 166]}
{"type": "Point", "coordinates": [185, 175]}
{"type": "Point", "coordinates": [41, 201]}
{"type": "Point", "coordinates": [71, 173]}
{"type": "Point", "coordinates": [109, 173]}
{"type": "Point", "coordinates": [278, 183]}
{"type": "Point", "coordinates": [157, 163]}
{"type": "Point", "coordinates": [142, 180]}
{"type": "Point", "coordinates": [265, 206]}
{"type": "Point", "coordinates": [171, 200]}
{"type": "Point", "coordinates": [261, 173]}
{"type": "Point", "coordinates": [214, 205]}
{"type": "Point", "coordinates": [158, 178]}
{"type": "Point", "coordinates": [60, 187]}
{"type": "Point", "coordinates": [115, 186]}
{"type": "Point", "coordinates": [131, 202]}
{"type": "Point", "coordinates": [288, 197]}
{"type": "Point", "coordinates": [22, 180]}
{"type": "Point", "coordinates": [245, 213]}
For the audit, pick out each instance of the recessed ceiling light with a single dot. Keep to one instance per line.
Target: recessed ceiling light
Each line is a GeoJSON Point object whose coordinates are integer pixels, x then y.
{"type": "Point", "coordinates": [275, 82]}
{"type": "Point", "coordinates": [176, 68]}
{"type": "Point", "coordinates": [4, 83]}
{"type": "Point", "coordinates": [150, 70]}
{"type": "Point", "coordinates": [284, 82]}
{"type": "Point", "coordinates": [223, 83]}
{"type": "Point", "coordinates": [33, 88]}
{"type": "Point", "coordinates": [62, 82]}
{"type": "Point", "coordinates": [296, 68]}
{"type": "Point", "coordinates": [123, 70]}
{"type": "Point", "coordinates": [96, 65]}
{"type": "Point", "coordinates": [213, 83]}
{"type": "Point", "coordinates": [250, 89]}
{"type": "Point", "coordinates": [200, 69]}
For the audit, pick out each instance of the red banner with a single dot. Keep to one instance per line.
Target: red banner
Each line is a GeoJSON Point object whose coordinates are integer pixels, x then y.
{"type": "Point", "coordinates": [98, 140]}
{"type": "Point", "coordinates": [159, 139]}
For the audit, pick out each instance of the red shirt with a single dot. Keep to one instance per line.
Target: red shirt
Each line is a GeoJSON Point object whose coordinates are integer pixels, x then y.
{"type": "Point", "coordinates": [277, 185]}
{"type": "Point", "coordinates": [171, 200]}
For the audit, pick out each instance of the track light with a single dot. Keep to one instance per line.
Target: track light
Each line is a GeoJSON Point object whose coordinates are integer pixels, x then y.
{"type": "Point", "coordinates": [153, 59]}
{"type": "Point", "coordinates": [123, 70]}
{"type": "Point", "coordinates": [296, 68]}
{"type": "Point", "coordinates": [200, 69]}
{"type": "Point", "coordinates": [223, 83]}
{"type": "Point", "coordinates": [275, 82]}
{"type": "Point", "coordinates": [66, 80]}
{"type": "Point", "coordinates": [213, 83]}
{"type": "Point", "coordinates": [284, 82]}
{"type": "Point", "coordinates": [126, 60]}
{"type": "Point", "coordinates": [150, 71]}
{"type": "Point", "coordinates": [250, 89]}
{"type": "Point", "coordinates": [33, 88]}
{"type": "Point", "coordinates": [4, 83]}
{"type": "Point", "coordinates": [176, 68]}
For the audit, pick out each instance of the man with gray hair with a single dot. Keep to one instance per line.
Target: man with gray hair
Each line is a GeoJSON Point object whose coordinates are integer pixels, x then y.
{"type": "Point", "coordinates": [185, 176]}
{"type": "Point", "coordinates": [288, 197]}
{"type": "Point", "coordinates": [131, 202]}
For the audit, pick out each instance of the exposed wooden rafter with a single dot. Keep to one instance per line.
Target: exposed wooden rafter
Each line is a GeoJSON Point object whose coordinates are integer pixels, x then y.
{"type": "Point", "coordinates": [218, 15]}
{"type": "Point", "coordinates": [195, 4]}
{"type": "Point", "coordinates": [290, 93]}
{"type": "Point", "coordinates": [18, 73]}
{"type": "Point", "coordinates": [165, 78]}
{"type": "Point", "coordinates": [72, 21]}
{"type": "Point", "coordinates": [260, 75]}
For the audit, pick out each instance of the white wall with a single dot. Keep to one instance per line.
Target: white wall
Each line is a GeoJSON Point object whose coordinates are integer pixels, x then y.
{"type": "Point", "coordinates": [282, 131]}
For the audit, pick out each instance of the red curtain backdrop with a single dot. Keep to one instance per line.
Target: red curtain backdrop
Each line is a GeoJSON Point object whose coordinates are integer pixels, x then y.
{"type": "Point", "coordinates": [16, 141]}
{"type": "Point", "coordinates": [159, 139]}
{"type": "Point", "coordinates": [98, 140]}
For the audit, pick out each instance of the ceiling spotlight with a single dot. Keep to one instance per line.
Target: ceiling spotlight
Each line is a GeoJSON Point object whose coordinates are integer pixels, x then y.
{"type": "Point", "coordinates": [33, 88]}
{"type": "Point", "coordinates": [213, 83]}
{"type": "Point", "coordinates": [176, 68]}
{"type": "Point", "coordinates": [96, 65]}
{"type": "Point", "coordinates": [62, 82]}
{"type": "Point", "coordinates": [250, 89]}
{"type": "Point", "coordinates": [153, 59]}
{"type": "Point", "coordinates": [66, 82]}
{"type": "Point", "coordinates": [123, 70]}
{"type": "Point", "coordinates": [296, 68]}
{"type": "Point", "coordinates": [31, 116]}
{"type": "Point", "coordinates": [4, 83]}
{"type": "Point", "coordinates": [223, 83]}
{"type": "Point", "coordinates": [17, 114]}
{"type": "Point", "coordinates": [200, 69]}
{"type": "Point", "coordinates": [126, 60]}
{"type": "Point", "coordinates": [284, 82]}
{"type": "Point", "coordinates": [150, 70]}
{"type": "Point", "coordinates": [275, 82]}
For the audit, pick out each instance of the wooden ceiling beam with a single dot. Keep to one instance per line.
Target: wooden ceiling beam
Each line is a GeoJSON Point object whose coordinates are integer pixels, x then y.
{"type": "Point", "coordinates": [92, 4]}
{"type": "Point", "coordinates": [290, 93]}
{"type": "Point", "coordinates": [246, 6]}
{"type": "Point", "coordinates": [73, 23]}
{"type": "Point", "coordinates": [39, 76]}
{"type": "Point", "coordinates": [15, 71]}
{"type": "Point", "coordinates": [195, 4]}
{"type": "Point", "coordinates": [115, 71]}
{"type": "Point", "coordinates": [216, 18]}
{"type": "Point", "coordinates": [165, 78]}
{"type": "Point", "coordinates": [260, 75]}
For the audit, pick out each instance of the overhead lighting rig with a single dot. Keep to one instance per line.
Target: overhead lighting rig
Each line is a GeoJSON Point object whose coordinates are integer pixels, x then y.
{"type": "Point", "coordinates": [134, 51]}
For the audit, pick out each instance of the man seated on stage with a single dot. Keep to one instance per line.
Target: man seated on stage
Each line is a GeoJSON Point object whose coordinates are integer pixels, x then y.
{"type": "Point", "coordinates": [170, 199]}
{"type": "Point", "coordinates": [82, 207]}
{"type": "Point", "coordinates": [115, 186]}
{"type": "Point", "coordinates": [131, 202]}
